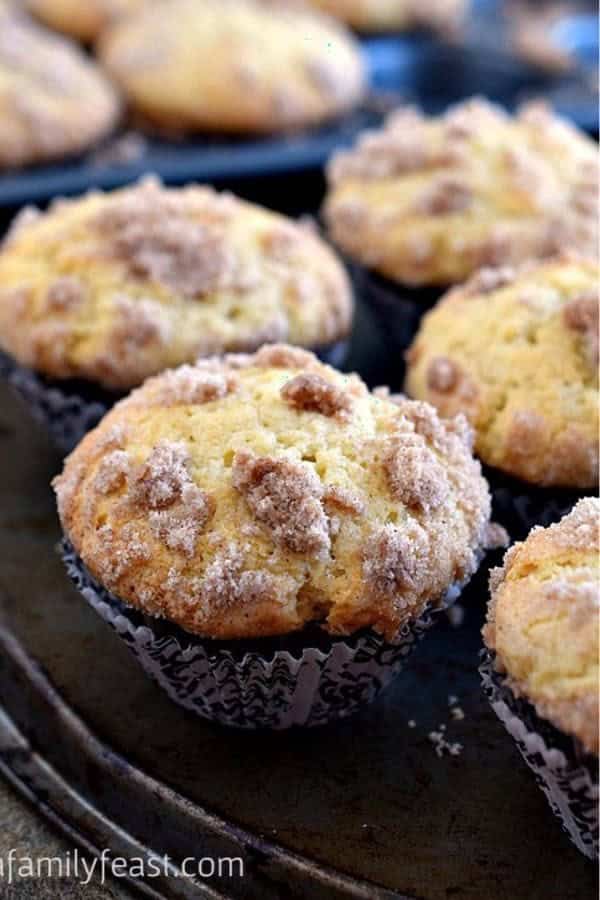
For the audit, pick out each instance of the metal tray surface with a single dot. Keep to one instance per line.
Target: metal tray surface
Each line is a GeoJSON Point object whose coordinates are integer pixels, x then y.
{"type": "Point", "coordinates": [363, 808]}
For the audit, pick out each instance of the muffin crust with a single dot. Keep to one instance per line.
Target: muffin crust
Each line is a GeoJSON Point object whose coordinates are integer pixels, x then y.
{"type": "Point", "coordinates": [210, 497]}
{"type": "Point", "coordinates": [516, 351]}
{"type": "Point", "coordinates": [233, 66]}
{"type": "Point", "coordinates": [54, 101]}
{"type": "Point", "coordinates": [543, 621]}
{"type": "Point", "coordinates": [115, 287]}
{"type": "Point", "coordinates": [428, 201]}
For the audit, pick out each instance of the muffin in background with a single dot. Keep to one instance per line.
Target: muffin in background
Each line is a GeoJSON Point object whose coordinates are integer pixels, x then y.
{"type": "Point", "coordinates": [424, 202]}
{"type": "Point", "coordinates": [102, 291]}
{"type": "Point", "coordinates": [222, 505]}
{"type": "Point", "coordinates": [234, 66]}
{"type": "Point", "coordinates": [54, 100]}
{"type": "Point", "coordinates": [541, 667]}
{"type": "Point", "coordinates": [516, 351]}
{"type": "Point", "coordinates": [83, 20]}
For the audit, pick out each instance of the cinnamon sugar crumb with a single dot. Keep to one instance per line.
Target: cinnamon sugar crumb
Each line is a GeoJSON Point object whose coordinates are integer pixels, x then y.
{"type": "Point", "coordinates": [180, 526]}
{"type": "Point", "coordinates": [154, 233]}
{"type": "Point", "coordinates": [581, 315]}
{"type": "Point", "coordinates": [442, 375]}
{"type": "Point", "coordinates": [160, 480]}
{"type": "Point", "coordinates": [281, 356]}
{"type": "Point", "coordinates": [395, 560]}
{"type": "Point", "coordinates": [193, 385]}
{"type": "Point", "coordinates": [414, 475]}
{"type": "Point", "coordinates": [311, 392]}
{"type": "Point", "coordinates": [139, 323]}
{"type": "Point", "coordinates": [112, 472]}
{"type": "Point", "coordinates": [487, 280]}
{"type": "Point", "coordinates": [286, 497]}
{"type": "Point", "coordinates": [65, 294]}
{"type": "Point", "coordinates": [446, 195]}
{"type": "Point", "coordinates": [226, 583]}
{"type": "Point", "coordinates": [344, 500]}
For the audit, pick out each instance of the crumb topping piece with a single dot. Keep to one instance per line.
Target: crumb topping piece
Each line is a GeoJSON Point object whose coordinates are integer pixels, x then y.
{"type": "Point", "coordinates": [581, 314]}
{"type": "Point", "coordinates": [286, 497]}
{"type": "Point", "coordinates": [313, 393]}
{"type": "Point", "coordinates": [414, 474]}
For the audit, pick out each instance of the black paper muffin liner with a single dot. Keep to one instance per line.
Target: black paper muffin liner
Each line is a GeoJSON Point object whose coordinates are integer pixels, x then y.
{"type": "Point", "coordinates": [398, 309]}
{"type": "Point", "coordinates": [305, 679]}
{"type": "Point", "coordinates": [69, 408]}
{"type": "Point", "coordinates": [566, 774]}
{"type": "Point", "coordinates": [519, 506]}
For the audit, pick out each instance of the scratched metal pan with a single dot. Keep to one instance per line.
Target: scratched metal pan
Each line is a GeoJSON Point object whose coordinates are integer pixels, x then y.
{"type": "Point", "coordinates": [359, 809]}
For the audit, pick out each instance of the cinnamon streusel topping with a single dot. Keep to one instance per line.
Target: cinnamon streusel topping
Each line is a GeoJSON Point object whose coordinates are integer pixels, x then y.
{"type": "Point", "coordinates": [207, 497]}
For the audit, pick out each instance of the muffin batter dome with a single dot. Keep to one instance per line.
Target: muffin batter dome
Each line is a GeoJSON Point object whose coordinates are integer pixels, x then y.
{"type": "Point", "coordinates": [249, 496]}
{"type": "Point", "coordinates": [115, 287]}
{"type": "Point", "coordinates": [233, 66]}
{"type": "Point", "coordinates": [430, 200]}
{"type": "Point", "coordinates": [543, 621]}
{"type": "Point", "coordinates": [54, 101]}
{"type": "Point", "coordinates": [517, 353]}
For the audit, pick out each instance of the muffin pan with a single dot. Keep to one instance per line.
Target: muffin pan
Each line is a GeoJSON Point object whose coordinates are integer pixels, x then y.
{"type": "Point", "coordinates": [364, 808]}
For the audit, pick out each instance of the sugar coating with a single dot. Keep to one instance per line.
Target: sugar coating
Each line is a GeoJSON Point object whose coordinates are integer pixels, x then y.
{"type": "Point", "coordinates": [247, 515]}
{"type": "Point", "coordinates": [54, 101]}
{"type": "Point", "coordinates": [543, 620]}
{"type": "Point", "coordinates": [432, 200]}
{"type": "Point", "coordinates": [313, 393]}
{"type": "Point", "coordinates": [116, 287]}
{"type": "Point", "coordinates": [243, 66]}
{"type": "Point", "coordinates": [517, 354]}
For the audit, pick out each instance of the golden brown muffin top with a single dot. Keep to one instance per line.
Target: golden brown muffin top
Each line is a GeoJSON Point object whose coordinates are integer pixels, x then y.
{"type": "Point", "coordinates": [235, 66]}
{"type": "Point", "coordinates": [517, 353]}
{"type": "Point", "coordinates": [54, 101]}
{"type": "Point", "coordinates": [250, 496]}
{"type": "Point", "coordinates": [543, 621]}
{"type": "Point", "coordinates": [430, 200]}
{"type": "Point", "coordinates": [118, 286]}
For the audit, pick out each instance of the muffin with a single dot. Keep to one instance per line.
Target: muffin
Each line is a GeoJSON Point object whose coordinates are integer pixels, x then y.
{"type": "Point", "coordinates": [516, 351]}
{"type": "Point", "coordinates": [234, 66]}
{"type": "Point", "coordinates": [82, 21]}
{"type": "Point", "coordinates": [103, 291]}
{"type": "Point", "coordinates": [425, 202]}
{"type": "Point", "coordinates": [541, 666]}
{"type": "Point", "coordinates": [54, 101]}
{"type": "Point", "coordinates": [395, 15]}
{"type": "Point", "coordinates": [268, 537]}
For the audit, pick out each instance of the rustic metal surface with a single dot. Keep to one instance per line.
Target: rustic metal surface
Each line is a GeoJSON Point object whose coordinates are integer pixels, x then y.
{"type": "Point", "coordinates": [363, 808]}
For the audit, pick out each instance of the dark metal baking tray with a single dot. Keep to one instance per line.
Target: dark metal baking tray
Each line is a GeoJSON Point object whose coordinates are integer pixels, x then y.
{"type": "Point", "coordinates": [359, 809]}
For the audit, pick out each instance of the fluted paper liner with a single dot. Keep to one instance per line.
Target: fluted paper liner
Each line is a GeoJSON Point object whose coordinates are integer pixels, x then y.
{"type": "Point", "coordinates": [66, 415]}
{"type": "Point", "coordinates": [568, 779]}
{"type": "Point", "coordinates": [274, 689]}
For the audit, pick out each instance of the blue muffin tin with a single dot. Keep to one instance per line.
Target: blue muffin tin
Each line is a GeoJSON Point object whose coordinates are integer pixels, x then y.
{"type": "Point", "coordinates": [416, 69]}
